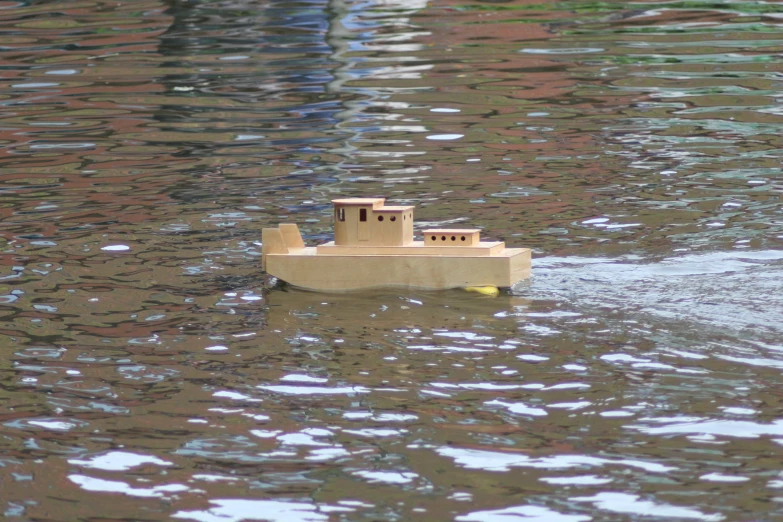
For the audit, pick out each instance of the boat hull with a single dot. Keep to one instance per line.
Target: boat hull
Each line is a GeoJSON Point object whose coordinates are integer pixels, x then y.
{"type": "Point", "coordinates": [305, 269]}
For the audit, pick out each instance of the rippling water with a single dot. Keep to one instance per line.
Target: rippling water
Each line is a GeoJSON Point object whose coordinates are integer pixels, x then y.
{"type": "Point", "coordinates": [151, 371]}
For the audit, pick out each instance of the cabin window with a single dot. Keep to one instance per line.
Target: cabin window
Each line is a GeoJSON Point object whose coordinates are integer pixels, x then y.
{"type": "Point", "coordinates": [393, 218]}
{"type": "Point", "coordinates": [362, 214]}
{"type": "Point", "coordinates": [341, 214]}
{"type": "Point", "coordinates": [380, 218]}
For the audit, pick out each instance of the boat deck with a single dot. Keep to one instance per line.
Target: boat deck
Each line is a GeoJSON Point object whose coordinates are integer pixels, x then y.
{"type": "Point", "coordinates": [415, 248]}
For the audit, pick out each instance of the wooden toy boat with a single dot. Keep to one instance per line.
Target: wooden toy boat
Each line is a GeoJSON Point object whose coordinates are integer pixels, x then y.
{"type": "Point", "coordinates": [373, 247]}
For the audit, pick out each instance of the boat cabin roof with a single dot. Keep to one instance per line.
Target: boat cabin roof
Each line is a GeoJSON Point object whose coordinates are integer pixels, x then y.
{"type": "Point", "coordinates": [375, 202]}
{"type": "Point", "coordinates": [396, 209]}
{"type": "Point", "coordinates": [451, 231]}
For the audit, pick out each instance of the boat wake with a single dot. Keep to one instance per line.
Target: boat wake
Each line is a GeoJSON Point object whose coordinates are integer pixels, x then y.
{"type": "Point", "coordinates": [739, 291]}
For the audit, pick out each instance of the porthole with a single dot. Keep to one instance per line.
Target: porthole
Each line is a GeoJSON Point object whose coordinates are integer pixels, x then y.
{"type": "Point", "coordinates": [434, 238]}
{"type": "Point", "coordinates": [380, 218]}
{"type": "Point", "coordinates": [443, 238]}
{"type": "Point", "coordinates": [393, 218]}
{"type": "Point", "coordinates": [463, 238]}
{"type": "Point", "coordinates": [453, 238]}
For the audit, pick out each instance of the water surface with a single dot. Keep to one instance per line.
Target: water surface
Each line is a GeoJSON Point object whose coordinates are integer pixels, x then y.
{"type": "Point", "coordinates": [151, 371]}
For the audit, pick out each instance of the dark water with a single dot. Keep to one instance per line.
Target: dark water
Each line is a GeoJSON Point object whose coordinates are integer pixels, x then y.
{"type": "Point", "coordinates": [149, 371]}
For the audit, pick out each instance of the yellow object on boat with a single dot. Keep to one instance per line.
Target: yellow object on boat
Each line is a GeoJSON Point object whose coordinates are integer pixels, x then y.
{"type": "Point", "coordinates": [484, 290]}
